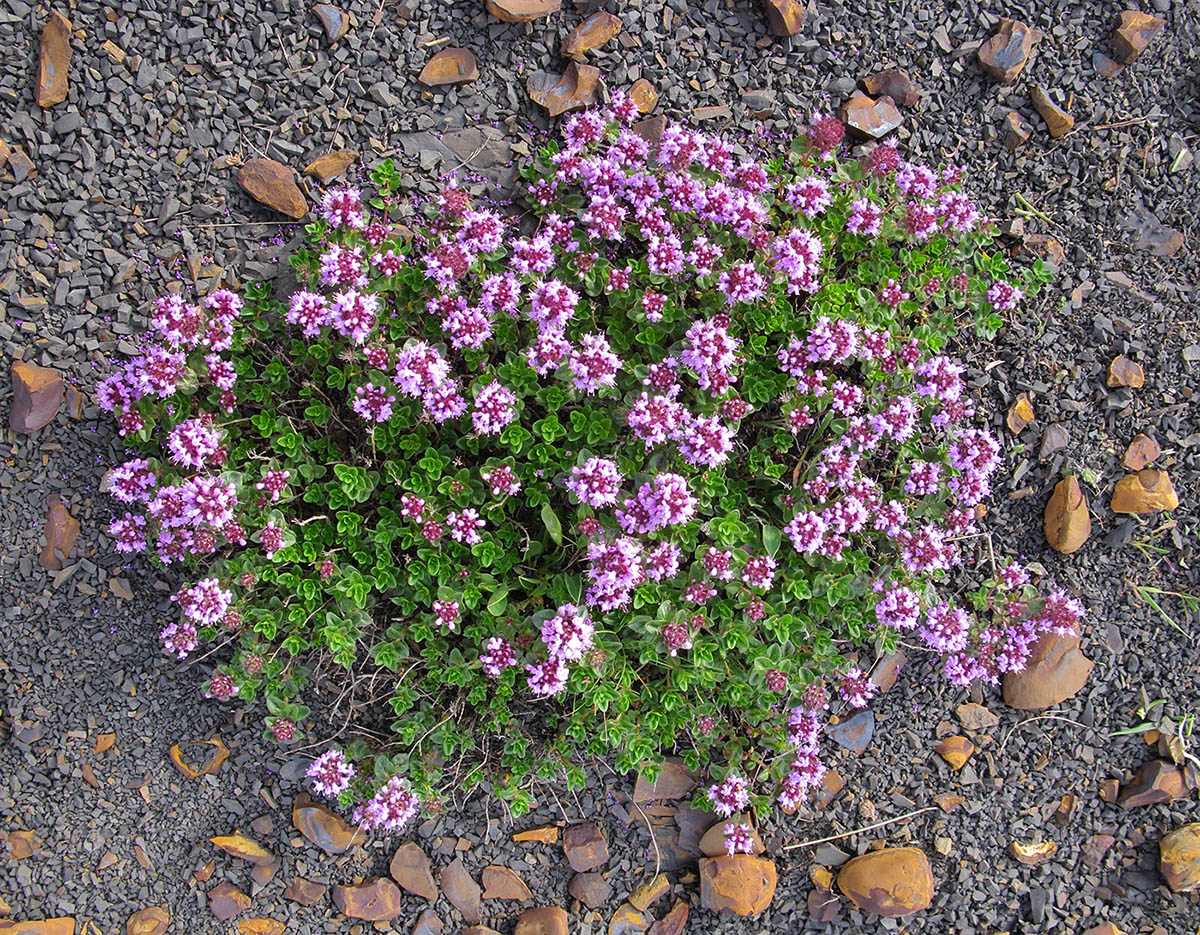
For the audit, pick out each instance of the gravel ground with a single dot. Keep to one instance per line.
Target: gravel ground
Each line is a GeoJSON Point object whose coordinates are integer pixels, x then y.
{"type": "Point", "coordinates": [134, 183]}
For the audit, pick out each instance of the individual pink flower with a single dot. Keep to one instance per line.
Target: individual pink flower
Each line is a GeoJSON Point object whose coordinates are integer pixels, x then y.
{"type": "Point", "coordinates": [739, 839]}
{"type": "Point", "coordinates": [331, 773]}
{"type": "Point", "coordinates": [392, 807]}
{"type": "Point", "coordinates": [730, 795]}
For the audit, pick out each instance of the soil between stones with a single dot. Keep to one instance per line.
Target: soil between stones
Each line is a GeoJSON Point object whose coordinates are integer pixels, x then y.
{"type": "Point", "coordinates": [135, 175]}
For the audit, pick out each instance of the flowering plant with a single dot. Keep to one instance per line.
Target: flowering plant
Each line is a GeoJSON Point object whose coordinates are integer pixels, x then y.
{"type": "Point", "coordinates": [630, 473]}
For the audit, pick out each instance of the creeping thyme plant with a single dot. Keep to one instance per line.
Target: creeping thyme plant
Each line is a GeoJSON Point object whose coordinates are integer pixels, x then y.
{"type": "Point", "coordinates": [644, 468]}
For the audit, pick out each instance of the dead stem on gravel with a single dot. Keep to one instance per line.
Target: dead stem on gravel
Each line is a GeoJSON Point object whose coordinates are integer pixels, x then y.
{"type": "Point", "coordinates": [847, 834]}
{"type": "Point", "coordinates": [1040, 717]}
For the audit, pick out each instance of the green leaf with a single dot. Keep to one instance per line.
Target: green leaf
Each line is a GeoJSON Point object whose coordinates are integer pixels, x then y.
{"type": "Point", "coordinates": [498, 602]}
{"type": "Point", "coordinates": [770, 537]}
{"type": "Point", "coordinates": [553, 525]}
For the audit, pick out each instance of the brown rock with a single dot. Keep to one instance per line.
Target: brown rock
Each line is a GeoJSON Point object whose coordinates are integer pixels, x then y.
{"type": "Point", "coordinates": [1156, 781]}
{"type": "Point", "coordinates": [830, 788]}
{"type": "Point", "coordinates": [1033, 853]}
{"type": "Point", "coordinates": [1141, 451]}
{"type": "Point", "coordinates": [741, 884]}
{"type": "Point", "coordinates": [592, 33]}
{"type": "Point", "coordinates": [578, 86]}
{"type": "Point", "coordinates": [502, 883]}
{"type": "Point", "coordinates": [1020, 414]}
{"type": "Point", "coordinates": [545, 921]}
{"type": "Point", "coordinates": [785, 17]}
{"type": "Point", "coordinates": [869, 118]}
{"type": "Point", "coordinates": [855, 732]}
{"type": "Point", "coordinates": [62, 529]}
{"type": "Point", "coordinates": [1005, 54]}
{"type": "Point", "coordinates": [547, 834]}
{"type": "Point", "coordinates": [209, 766]}
{"type": "Point", "coordinates": [628, 920]}
{"type": "Point", "coordinates": [204, 874]}
{"type": "Point", "coordinates": [238, 845]}
{"type": "Point", "coordinates": [1179, 858]}
{"type": "Point", "coordinates": [37, 396]}
{"type": "Point", "coordinates": [1134, 32]}
{"type": "Point", "coordinates": [55, 61]}
{"type": "Point", "coordinates": [322, 827]}
{"type": "Point", "coordinates": [1109, 790]}
{"type": "Point", "coordinates": [1105, 928]}
{"type": "Point", "coordinates": [948, 801]}
{"type": "Point", "coordinates": [462, 891]}
{"type": "Point", "coordinates": [1148, 491]}
{"type": "Point", "coordinates": [1057, 670]}
{"type": "Point", "coordinates": [887, 670]}
{"type": "Point", "coordinates": [894, 83]}
{"type": "Point", "coordinates": [823, 906]}
{"type": "Point", "coordinates": [21, 165]}
{"type": "Point", "coordinates": [674, 922]}
{"type": "Point", "coordinates": [328, 167]}
{"type": "Point", "coordinates": [152, 920]}
{"type": "Point", "coordinates": [956, 751]}
{"type": "Point", "coordinates": [650, 892]}
{"type": "Point", "coordinates": [1092, 853]}
{"type": "Point", "coordinates": [1045, 248]}
{"type": "Point", "coordinates": [1066, 520]}
{"type": "Point", "coordinates": [1055, 438]}
{"type": "Point", "coordinates": [270, 183]}
{"type": "Point", "coordinates": [584, 847]}
{"type": "Point", "coordinates": [1057, 120]}
{"type": "Point", "coordinates": [1124, 372]}
{"type": "Point", "coordinates": [674, 781]}
{"type": "Point", "coordinates": [449, 66]}
{"type": "Point", "coordinates": [712, 844]}
{"type": "Point", "coordinates": [260, 925]}
{"type": "Point", "coordinates": [225, 901]}
{"type": "Point", "coordinates": [410, 868]}
{"type": "Point", "coordinates": [1067, 806]}
{"type": "Point", "coordinates": [22, 844]}
{"type": "Point", "coordinates": [64, 925]}
{"type": "Point", "coordinates": [428, 923]}
{"type": "Point", "coordinates": [522, 11]}
{"type": "Point", "coordinates": [1017, 131]}
{"type": "Point", "coordinates": [305, 892]}
{"type": "Point", "coordinates": [1104, 66]}
{"type": "Point", "coordinates": [894, 881]}
{"type": "Point", "coordinates": [376, 900]}
{"type": "Point", "coordinates": [651, 130]}
{"type": "Point", "coordinates": [590, 888]}
{"type": "Point", "coordinates": [477, 930]}
{"type": "Point", "coordinates": [975, 717]}
{"type": "Point", "coordinates": [335, 23]}
{"type": "Point", "coordinates": [644, 95]}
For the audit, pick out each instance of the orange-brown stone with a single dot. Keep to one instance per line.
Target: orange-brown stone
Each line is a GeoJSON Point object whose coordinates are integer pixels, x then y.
{"type": "Point", "coordinates": [55, 62]}
{"type": "Point", "coordinates": [592, 33]}
{"type": "Point", "coordinates": [450, 66]}
{"type": "Point", "coordinates": [270, 183]}
{"type": "Point", "coordinates": [578, 86]}
{"type": "Point", "coordinates": [62, 529]}
{"type": "Point", "coordinates": [1066, 520]}
{"type": "Point", "coordinates": [742, 884]}
{"type": "Point", "coordinates": [1148, 491]}
{"type": "Point", "coordinates": [522, 11]}
{"type": "Point", "coordinates": [37, 396]}
{"type": "Point", "coordinates": [1057, 669]}
{"type": "Point", "coordinates": [1179, 858]}
{"type": "Point", "coordinates": [375, 900]}
{"type": "Point", "coordinates": [894, 881]}
{"type": "Point", "coordinates": [328, 167]}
